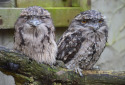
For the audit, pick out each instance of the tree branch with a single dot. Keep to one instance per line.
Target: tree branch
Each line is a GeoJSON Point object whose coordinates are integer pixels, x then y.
{"type": "Point", "coordinates": [31, 72]}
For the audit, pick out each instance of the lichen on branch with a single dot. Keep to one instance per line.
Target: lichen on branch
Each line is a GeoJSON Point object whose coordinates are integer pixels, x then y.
{"type": "Point", "coordinates": [31, 72]}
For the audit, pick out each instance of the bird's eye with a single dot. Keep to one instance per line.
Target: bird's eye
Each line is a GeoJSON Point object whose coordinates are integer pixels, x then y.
{"type": "Point", "coordinates": [25, 17]}
{"type": "Point", "coordinates": [43, 17]}
{"type": "Point", "coordinates": [84, 21]}
{"type": "Point", "coordinates": [100, 21]}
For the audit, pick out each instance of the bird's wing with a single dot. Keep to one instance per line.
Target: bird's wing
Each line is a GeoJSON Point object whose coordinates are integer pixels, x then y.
{"type": "Point", "coordinates": [69, 44]}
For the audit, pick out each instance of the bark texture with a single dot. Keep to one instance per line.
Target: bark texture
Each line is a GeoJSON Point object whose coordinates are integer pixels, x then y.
{"type": "Point", "coordinates": [29, 72]}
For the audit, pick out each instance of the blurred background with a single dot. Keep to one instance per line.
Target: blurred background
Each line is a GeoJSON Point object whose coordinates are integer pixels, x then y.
{"type": "Point", "coordinates": [62, 12]}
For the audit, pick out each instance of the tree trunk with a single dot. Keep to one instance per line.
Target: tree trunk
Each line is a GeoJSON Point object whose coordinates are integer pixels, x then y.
{"type": "Point", "coordinates": [29, 72]}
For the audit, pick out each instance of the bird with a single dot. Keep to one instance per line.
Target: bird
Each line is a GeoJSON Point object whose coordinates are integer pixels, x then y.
{"type": "Point", "coordinates": [82, 43]}
{"type": "Point", "coordinates": [35, 35]}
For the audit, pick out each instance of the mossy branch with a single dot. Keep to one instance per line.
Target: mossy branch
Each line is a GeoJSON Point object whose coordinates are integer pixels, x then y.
{"type": "Point", "coordinates": [31, 72]}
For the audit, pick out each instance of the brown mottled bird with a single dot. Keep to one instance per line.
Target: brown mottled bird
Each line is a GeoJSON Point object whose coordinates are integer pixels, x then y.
{"type": "Point", "coordinates": [34, 35]}
{"type": "Point", "coordinates": [82, 44]}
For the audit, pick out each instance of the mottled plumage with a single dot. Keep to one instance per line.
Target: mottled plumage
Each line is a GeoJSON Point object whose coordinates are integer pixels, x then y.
{"type": "Point", "coordinates": [82, 44]}
{"type": "Point", "coordinates": [34, 35]}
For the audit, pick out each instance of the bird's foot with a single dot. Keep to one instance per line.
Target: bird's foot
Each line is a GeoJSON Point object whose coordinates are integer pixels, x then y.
{"type": "Point", "coordinates": [79, 71]}
{"type": "Point", "coordinates": [52, 66]}
{"type": "Point", "coordinates": [95, 68]}
{"type": "Point", "coordinates": [60, 63]}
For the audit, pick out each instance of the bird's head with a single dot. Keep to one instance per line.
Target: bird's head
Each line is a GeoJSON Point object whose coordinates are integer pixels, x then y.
{"type": "Point", "coordinates": [90, 19]}
{"type": "Point", "coordinates": [34, 17]}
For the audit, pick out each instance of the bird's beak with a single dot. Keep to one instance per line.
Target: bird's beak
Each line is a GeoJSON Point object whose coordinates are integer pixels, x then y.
{"type": "Point", "coordinates": [34, 22]}
{"type": "Point", "coordinates": [94, 26]}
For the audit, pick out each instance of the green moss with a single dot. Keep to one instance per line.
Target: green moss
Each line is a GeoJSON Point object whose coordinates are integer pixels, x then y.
{"type": "Point", "coordinates": [31, 72]}
{"type": "Point", "coordinates": [19, 79]}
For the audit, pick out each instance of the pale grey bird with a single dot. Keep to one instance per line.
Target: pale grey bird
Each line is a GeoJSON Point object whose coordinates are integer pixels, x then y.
{"type": "Point", "coordinates": [82, 44]}
{"type": "Point", "coordinates": [34, 35]}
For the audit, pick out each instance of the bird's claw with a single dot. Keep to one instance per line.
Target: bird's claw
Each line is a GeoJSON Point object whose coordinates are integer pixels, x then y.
{"type": "Point", "coordinates": [60, 63]}
{"type": "Point", "coordinates": [95, 68]}
{"type": "Point", "coordinates": [79, 71]}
